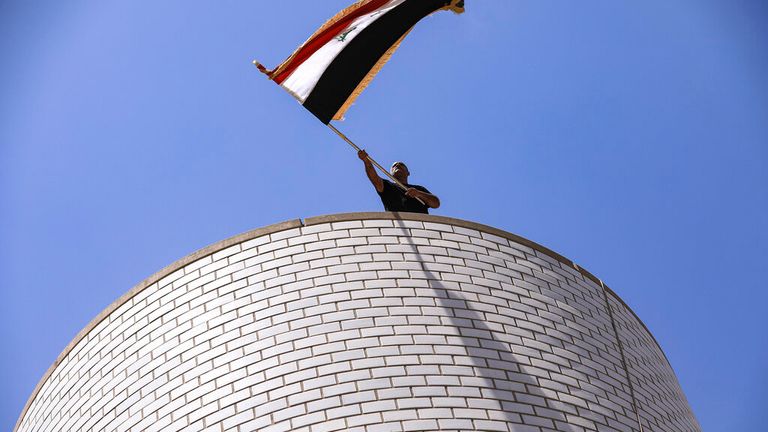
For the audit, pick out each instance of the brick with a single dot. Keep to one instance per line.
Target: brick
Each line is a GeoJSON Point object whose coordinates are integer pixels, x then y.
{"type": "Point", "coordinates": [419, 425]}
{"type": "Point", "coordinates": [344, 411]}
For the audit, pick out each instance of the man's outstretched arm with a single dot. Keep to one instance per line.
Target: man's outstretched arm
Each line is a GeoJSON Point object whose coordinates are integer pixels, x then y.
{"type": "Point", "coordinates": [370, 171]}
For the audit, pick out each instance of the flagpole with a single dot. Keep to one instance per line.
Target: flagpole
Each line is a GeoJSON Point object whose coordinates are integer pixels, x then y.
{"type": "Point", "coordinates": [354, 146]}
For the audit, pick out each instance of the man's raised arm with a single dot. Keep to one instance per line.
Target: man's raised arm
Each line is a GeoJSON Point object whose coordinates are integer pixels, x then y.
{"type": "Point", "coordinates": [370, 171]}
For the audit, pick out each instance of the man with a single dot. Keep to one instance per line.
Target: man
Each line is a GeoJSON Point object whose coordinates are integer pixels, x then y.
{"type": "Point", "coordinates": [392, 196]}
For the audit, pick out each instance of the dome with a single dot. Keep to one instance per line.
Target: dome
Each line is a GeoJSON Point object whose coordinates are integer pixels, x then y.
{"type": "Point", "coordinates": [365, 322]}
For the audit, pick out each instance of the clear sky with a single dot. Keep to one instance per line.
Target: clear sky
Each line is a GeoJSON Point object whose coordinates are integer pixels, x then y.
{"type": "Point", "coordinates": [629, 136]}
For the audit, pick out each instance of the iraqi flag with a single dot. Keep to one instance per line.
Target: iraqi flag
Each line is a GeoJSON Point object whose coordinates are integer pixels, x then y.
{"type": "Point", "coordinates": [330, 70]}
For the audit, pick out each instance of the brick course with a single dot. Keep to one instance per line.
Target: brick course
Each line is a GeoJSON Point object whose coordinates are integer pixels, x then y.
{"type": "Point", "coordinates": [365, 322]}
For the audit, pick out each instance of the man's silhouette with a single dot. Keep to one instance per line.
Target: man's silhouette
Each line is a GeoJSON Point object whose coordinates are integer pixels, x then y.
{"type": "Point", "coordinates": [394, 198]}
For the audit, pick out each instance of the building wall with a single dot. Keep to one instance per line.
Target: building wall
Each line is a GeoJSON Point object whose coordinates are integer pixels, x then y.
{"type": "Point", "coordinates": [365, 322]}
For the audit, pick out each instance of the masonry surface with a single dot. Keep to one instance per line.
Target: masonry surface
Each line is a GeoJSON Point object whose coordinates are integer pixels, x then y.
{"type": "Point", "coordinates": [365, 322]}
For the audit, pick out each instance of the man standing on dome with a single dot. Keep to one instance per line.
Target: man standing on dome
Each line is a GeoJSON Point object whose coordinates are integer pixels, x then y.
{"type": "Point", "coordinates": [392, 196]}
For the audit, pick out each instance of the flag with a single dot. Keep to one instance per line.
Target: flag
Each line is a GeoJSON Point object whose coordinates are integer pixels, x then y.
{"type": "Point", "coordinates": [330, 70]}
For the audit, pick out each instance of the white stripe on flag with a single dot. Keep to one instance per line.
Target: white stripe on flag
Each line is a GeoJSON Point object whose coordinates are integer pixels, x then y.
{"type": "Point", "coordinates": [304, 79]}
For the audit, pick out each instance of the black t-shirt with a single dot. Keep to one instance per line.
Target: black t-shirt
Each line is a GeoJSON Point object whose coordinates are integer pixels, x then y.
{"type": "Point", "coordinates": [394, 199]}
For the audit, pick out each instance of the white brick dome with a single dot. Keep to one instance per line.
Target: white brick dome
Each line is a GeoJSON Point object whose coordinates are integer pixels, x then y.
{"type": "Point", "coordinates": [364, 322]}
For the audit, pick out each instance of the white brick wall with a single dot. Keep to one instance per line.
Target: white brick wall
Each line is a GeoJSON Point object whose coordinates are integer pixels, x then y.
{"type": "Point", "coordinates": [364, 323]}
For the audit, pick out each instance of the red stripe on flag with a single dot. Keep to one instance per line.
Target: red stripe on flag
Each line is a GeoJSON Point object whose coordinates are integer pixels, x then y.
{"type": "Point", "coordinates": [323, 38]}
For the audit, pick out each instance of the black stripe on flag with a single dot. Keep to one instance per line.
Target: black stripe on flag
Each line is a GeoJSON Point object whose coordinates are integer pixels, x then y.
{"type": "Point", "coordinates": [354, 62]}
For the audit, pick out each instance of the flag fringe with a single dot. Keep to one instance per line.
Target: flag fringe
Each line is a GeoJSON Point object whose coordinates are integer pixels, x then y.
{"type": "Point", "coordinates": [457, 6]}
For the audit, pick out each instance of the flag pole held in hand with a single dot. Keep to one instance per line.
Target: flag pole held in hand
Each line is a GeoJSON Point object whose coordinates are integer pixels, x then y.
{"type": "Point", "coordinates": [376, 164]}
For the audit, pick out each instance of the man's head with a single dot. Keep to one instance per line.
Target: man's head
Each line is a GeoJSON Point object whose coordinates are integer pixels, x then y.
{"type": "Point", "coordinates": [400, 172]}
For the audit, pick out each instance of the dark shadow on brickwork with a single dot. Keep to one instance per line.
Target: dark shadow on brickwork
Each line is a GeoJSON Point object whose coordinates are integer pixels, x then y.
{"type": "Point", "coordinates": [501, 384]}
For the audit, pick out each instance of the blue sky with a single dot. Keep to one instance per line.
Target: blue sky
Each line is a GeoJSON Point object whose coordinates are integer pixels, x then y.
{"type": "Point", "coordinates": [631, 137]}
